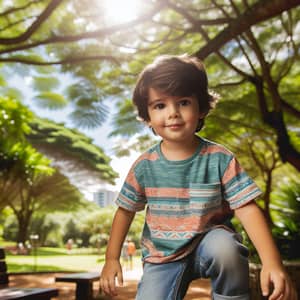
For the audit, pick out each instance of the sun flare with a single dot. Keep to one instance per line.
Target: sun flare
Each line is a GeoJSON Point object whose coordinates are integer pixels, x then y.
{"type": "Point", "coordinates": [120, 11]}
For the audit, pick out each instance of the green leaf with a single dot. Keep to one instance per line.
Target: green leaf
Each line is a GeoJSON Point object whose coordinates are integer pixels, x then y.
{"type": "Point", "coordinates": [45, 83]}
{"type": "Point", "coordinates": [89, 118]}
{"type": "Point", "coordinates": [51, 100]}
{"type": "Point", "coordinates": [2, 81]}
{"type": "Point", "coordinates": [125, 121]}
{"type": "Point", "coordinates": [14, 119]}
{"type": "Point", "coordinates": [73, 146]}
{"type": "Point", "coordinates": [90, 111]}
{"type": "Point", "coordinates": [12, 93]}
{"type": "Point", "coordinates": [46, 69]}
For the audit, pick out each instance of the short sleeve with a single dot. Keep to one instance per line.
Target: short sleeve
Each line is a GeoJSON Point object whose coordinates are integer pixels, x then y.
{"type": "Point", "coordinates": [132, 196]}
{"type": "Point", "coordinates": [238, 187]}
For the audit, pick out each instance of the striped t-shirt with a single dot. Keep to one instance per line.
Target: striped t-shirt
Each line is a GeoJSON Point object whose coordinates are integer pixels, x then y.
{"type": "Point", "coordinates": [184, 198]}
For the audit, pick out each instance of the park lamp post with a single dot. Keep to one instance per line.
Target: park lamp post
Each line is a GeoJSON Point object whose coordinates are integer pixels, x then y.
{"type": "Point", "coordinates": [34, 241]}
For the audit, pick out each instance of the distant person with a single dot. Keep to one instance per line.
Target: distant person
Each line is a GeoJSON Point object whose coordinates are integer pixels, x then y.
{"type": "Point", "coordinates": [69, 246]}
{"type": "Point", "coordinates": [131, 249]}
{"type": "Point", "coordinates": [191, 187]}
{"type": "Point", "coordinates": [21, 249]}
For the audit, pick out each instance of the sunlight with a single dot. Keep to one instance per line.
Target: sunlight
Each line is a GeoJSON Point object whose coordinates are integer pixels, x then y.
{"type": "Point", "coordinates": [120, 11]}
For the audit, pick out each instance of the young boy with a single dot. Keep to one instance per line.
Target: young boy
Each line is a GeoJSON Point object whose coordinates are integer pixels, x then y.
{"type": "Point", "coordinates": [191, 187]}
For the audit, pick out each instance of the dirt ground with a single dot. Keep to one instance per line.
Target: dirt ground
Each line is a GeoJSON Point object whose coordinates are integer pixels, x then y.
{"type": "Point", "coordinates": [199, 289]}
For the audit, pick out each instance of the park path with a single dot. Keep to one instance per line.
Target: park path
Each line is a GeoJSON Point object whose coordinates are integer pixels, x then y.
{"type": "Point", "coordinates": [199, 289]}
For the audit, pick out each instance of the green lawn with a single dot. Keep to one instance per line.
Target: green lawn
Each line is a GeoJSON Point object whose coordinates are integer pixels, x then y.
{"type": "Point", "coordinates": [55, 259]}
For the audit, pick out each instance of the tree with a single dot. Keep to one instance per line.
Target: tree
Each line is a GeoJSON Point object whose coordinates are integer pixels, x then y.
{"type": "Point", "coordinates": [44, 225]}
{"type": "Point", "coordinates": [16, 182]}
{"type": "Point", "coordinates": [68, 149]}
{"type": "Point", "coordinates": [26, 164]}
{"type": "Point", "coordinates": [241, 41]}
{"type": "Point", "coordinates": [71, 231]}
{"type": "Point", "coordinates": [46, 194]}
{"type": "Point", "coordinates": [267, 69]}
{"type": "Point", "coordinates": [28, 184]}
{"type": "Point", "coordinates": [240, 57]}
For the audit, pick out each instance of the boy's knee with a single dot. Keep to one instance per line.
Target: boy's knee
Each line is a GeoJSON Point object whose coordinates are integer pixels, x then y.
{"type": "Point", "coordinates": [225, 261]}
{"type": "Point", "coordinates": [225, 249]}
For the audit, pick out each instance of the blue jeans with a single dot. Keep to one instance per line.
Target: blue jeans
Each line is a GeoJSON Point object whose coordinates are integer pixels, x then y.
{"type": "Point", "coordinates": [219, 256]}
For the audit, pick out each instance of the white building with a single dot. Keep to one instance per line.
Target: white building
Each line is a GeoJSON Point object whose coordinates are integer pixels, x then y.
{"type": "Point", "coordinates": [105, 197]}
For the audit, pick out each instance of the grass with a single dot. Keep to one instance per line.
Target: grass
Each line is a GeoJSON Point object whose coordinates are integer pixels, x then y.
{"type": "Point", "coordinates": [55, 259]}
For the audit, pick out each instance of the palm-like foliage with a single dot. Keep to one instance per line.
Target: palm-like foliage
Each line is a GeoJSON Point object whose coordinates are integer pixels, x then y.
{"type": "Point", "coordinates": [72, 149]}
{"type": "Point", "coordinates": [286, 207]}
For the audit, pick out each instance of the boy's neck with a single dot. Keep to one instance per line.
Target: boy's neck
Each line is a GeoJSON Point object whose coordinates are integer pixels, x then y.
{"type": "Point", "coordinates": [179, 151]}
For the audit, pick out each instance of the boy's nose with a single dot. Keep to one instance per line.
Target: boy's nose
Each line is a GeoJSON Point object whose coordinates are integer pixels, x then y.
{"type": "Point", "coordinates": [173, 111]}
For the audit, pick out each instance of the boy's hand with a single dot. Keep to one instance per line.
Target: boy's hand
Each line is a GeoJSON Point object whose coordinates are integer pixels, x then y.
{"type": "Point", "coordinates": [110, 271]}
{"type": "Point", "coordinates": [276, 277]}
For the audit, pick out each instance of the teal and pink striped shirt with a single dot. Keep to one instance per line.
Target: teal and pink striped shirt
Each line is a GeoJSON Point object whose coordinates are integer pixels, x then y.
{"type": "Point", "coordinates": [184, 198]}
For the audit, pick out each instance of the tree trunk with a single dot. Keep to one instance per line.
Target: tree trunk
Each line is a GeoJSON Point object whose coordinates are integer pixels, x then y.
{"type": "Point", "coordinates": [286, 150]}
{"type": "Point", "coordinates": [23, 221]}
{"type": "Point", "coordinates": [275, 120]}
{"type": "Point", "coordinates": [267, 198]}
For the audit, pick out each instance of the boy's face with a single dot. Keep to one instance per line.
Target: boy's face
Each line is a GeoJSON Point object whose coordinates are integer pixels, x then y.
{"type": "Point", "coordinates": [173, 118]}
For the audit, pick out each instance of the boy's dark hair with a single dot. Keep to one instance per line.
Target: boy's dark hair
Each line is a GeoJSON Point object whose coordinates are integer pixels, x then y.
{"type": "Point", "coordinates": [176, 76]}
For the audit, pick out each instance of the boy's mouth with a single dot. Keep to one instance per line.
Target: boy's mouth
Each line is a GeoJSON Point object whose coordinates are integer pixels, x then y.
{"type": "Point", "coordinates": [174, 126]}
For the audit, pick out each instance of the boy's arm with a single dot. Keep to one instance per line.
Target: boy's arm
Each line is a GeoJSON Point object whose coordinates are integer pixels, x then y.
{"type": "Point", "coordinates": [112, 267]}
{"type": "Point", "coordinates": [272, 271]}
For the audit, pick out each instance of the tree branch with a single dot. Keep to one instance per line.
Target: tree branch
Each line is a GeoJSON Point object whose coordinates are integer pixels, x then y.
{"type": "Point", "coordinates": [10, 25]}
{"type": "Point", "coordinates": [290, 109]}
{"type": "Point", "coordinates": [96, 34]}
{"type": "Point", "coordinates": [34, 26]}
{"type": "Point", "coordinates": [16, 9]}
{"type": "Point", "coordinates": [259, 12]}
{"type": "Point", "coordinates": [202, 22]}
{"type": "Point", "coordinates": [230, 84]}
{"type": "Point", "coordinates": [68, 60]}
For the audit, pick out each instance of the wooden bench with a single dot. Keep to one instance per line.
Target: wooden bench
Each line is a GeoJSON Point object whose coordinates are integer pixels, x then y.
{"type": "Point", "coordinates": [28, 293]}
{"type": "Point", "coordinates": [84, 283]}
{"type": "Point", "coordinates": [3, 268]}
{"type": "Point", "coordinates": [7, 293]}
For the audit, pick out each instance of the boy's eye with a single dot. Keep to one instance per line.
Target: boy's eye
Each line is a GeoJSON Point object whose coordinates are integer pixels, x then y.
{"type": "Point", "coordinates": [159, 106]}
{"type": "Point", "coordinates": [184, 102]}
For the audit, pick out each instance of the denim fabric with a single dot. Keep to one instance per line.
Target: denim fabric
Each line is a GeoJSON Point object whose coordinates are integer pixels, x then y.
{"type": "Point", "coordinates": [219, 256]}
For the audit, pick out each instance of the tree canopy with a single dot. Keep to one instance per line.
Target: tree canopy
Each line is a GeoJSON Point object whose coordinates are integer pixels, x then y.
{"type": "Point", "coordinates": [71, 146]}
{"type": "Point", "coordinates": [247, 44]}
{"type": "Point", "coordinates": [29, 181]}
{"type": "Point", "coordinates": [251, 52]}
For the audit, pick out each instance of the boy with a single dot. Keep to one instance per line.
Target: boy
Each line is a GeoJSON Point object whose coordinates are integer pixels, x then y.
{"type": "Point", "coordinates": [192, 187]}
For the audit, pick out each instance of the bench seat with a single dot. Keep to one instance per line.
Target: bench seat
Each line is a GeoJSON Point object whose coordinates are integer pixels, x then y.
{"type": "Point", "coordinates": [28, 293]}
{"type": "Point", "coordinates": [84, 283]}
